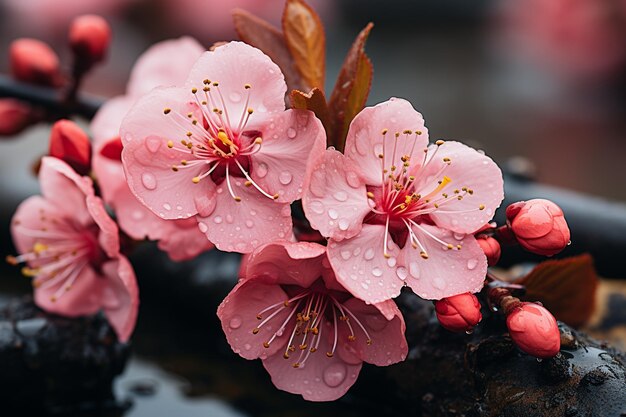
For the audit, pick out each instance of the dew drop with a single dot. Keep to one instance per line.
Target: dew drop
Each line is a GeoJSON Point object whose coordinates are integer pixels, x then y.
{"type": "Point", "coordinates": [353, 179]}
{"type": "Point", "coordinates": [333, 214]}
{"type": "Point", "coordinates": [203, 227]}
{"type": "Point", "coordinates": [364, 285]}
{"type": "Point", "coordinates": [459, 236]}
{"type": "Point", "coordinates": [291, 133]}
{"type": "Point", "coordinates": [377, 272]}
{"type": "Point", "coordinates": [247, 346]}
{"type": "Point", "coordinates": [234, 97]}
{"type": "Point", "coordinates": [391, 262]}
{"type": "Point", "coordinates": [261, 170]}
{"type": "Point", "coordinates": [167, 206]}
{"type": "Point", "coordinates": [249, 223]}
{"type": "Point", "coordinates": [153, 144]}
{"type": "Point", "coordinates": [345, 254]}
{"type": "Point", "coordinates": [285, 177]}
{"type": "Point", "coordinates": [149, 181]}
{"type": "Point", "coordinates": [402, 273]}
{"type": "Point", "coordinates": [369, 254]}
{"type": "Point", "coordinates": [218, 219]}
{"type": "Point", "coordinates": [341, 196]}
{"type": "Point", "coordinates": [343, 224]}
{"type": "Point", "coordinates": [472, 263]}
{"type": "Point", "coordinates": [316, 206]}
{"type": "Point", "coordinates": [414, 270]}
{"type": "Point", "coordinates": [235, 322]}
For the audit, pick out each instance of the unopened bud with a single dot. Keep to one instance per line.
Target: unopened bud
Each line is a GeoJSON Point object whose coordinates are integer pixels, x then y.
{"type": "Point", "coordinates": [70, 143]}
{"type": "Point", "coordinates": [90, 36]}
{"type": "Point", "coordinates": [459, 313]}
{"type": "Point", "coordinates": [539, 226]}
{"type": "Point", "coordinates": [534, 330]}
{"type": "Point", "coordinates": [33, 61]}
{"type": "Point", "coordinates": [15, 116]}
{"type": "Point", "coordinates": [491, 247]}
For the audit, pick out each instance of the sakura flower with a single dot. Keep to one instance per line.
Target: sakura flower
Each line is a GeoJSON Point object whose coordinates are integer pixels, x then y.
{"type": "Point", "coordinates": [399, 212]}
{"type": "Point", "coordinates": [72, 251]}
{"type": "Point", "coordinates": [311, 334]}
{"type": "Point", "coordinates": [181, 239]}
{"type": "Point", "coordinates": [223, 149]}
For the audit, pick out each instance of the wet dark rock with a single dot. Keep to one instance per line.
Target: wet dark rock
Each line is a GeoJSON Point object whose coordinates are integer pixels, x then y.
{"type": "Point", "coordinates": [56, 365]}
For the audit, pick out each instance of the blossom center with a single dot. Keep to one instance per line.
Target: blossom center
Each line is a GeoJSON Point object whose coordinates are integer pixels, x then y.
{"type": "Point", "coordinates": [60, 252]}
{"type": "Point", "coordinates": [310, 313]}
{"type": "Point", "coordinates": [216, 145]}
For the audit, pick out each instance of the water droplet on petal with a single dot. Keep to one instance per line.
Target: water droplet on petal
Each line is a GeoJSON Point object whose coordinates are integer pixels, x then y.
{"type": "Point", "coordinates": [291, 133]}
{"type": "Point", "coordinates": [369, 254]}
{"type": "Point", "coordinates": [345, 254]}
{"type": "Point", "coordinates": [343, 224]}
{"type": "Point", "coordinates": [414, 270]}
{"type": "Point", "coordinates": [402, 273]}
{"type": "Point", "coordinates": [247, 346]}
{"type": "Point", "coordinates": [261, 170]}
{"type": "Point", "coordinates": [203, 227]}
{"type": "Point", "coordinates": [391, 262]}
{"type": "Point", "coordinates": [234, 97]}
{"type": "Point", "coordinates": [472, 263]}
{"type": "Point", "coordinates": [316, 206]}
{"type": "Point", "coordinates": [167, 206]}
{"type": "Point", "coordinates": [235, 322]}
{"type": "Point", "coordinates": [249, 223]}
{"type": "Point", "coordinates": [149, 181]}
{"type": "Point", "coordinates": [377, 272]}
{"type": "Point", "coordinates": [218, 219]}
{"type": "Point", "coordinates": [459, 236]}
{"type": "Point", "coordinates": [341, 196]}
{"type": "Point", "coordinates": [353, 179]}
{"type": "Point", "coordinates": [333, 214]}
{"type": "Point", "coordinates": [153, 144]}
{"type": "Point", "coordinates": [285, 177]}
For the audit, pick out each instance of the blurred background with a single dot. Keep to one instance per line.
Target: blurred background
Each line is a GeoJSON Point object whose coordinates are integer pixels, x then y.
{"type": "Point", "coordinates": [539, 85]}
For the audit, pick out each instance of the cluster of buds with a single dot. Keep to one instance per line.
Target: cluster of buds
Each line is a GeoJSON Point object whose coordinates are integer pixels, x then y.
{"type": "Point", "coordinates": [33, 61]}
{"type": "Point", "coordinates": [539, 227]}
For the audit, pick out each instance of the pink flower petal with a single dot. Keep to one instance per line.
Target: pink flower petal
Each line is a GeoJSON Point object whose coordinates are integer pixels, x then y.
{"type": "Point", "coordinates": [242, 226]}
{"type": "Point", "coordinates": [84, 298]}
{"type": "Point", "coordinates": [362, 268]}
{"type": "Point", "coordinates": [171, 195]}
{"type": "Point", "coordinates": [109, 173]}
{"type": "Point", "coordinates": [446, 272]}
{"type": "Point", "coordinates": [120, 296]}
{"type": "Point", "coordinates": [182, 240]}
{"type": "Point", "coordinates": [108, 236]}
{"type": "Point", "coordinates": [32, 214]}
{"type": "Point", "coordinates": [320, 379]}
{"type": "Point", "coordinates": [287, 263]}
{"type": "Point", "coordinates": [106, 123]}
{"type": "Point", "coordinates": [364, 142]}
{"type": "Point", "coordinates": [234, 65]}
{"type": "Point", "coordinates": [63, 187]}
{"type": "Point", "coordinates": [238, 314]}
{"type": "Point", "coordinates": [291, 143]}
{"type": "Point", "coordinates": [335, 200]}
{"type": "Point", "coordinates": [388, 343]}
{"type": "Point", "coordinates": [147, 118]}
{"type": "Point", "coordinates": [468, 168]}
{"type": "Point", "coordinates": [156, 67]}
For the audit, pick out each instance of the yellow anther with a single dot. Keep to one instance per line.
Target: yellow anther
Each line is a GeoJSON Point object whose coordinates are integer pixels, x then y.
{"type": "Point", "coordinates": [174, 168]}
{"type": "Point", "coordinates": [329, 354]}
{"type": "Point", "coordinates": [351, 338]}
{"type": "Point", "coordinates": [39, 247]}
{"type": "Point", "coordinates": [247, 183]}
{"type": "Point", "coordinates": [195, 180]}
{"type": "Point", "coordinates": [258, 141]}
{"type": "Point", "coordinates": [275, 196]}
{"type": "Point", "coordinates": [216, 84]}
{"type": "Point", "coordinates": [194, 90]}
{"type": "Point", "coordinates": [189, 134]}
{"type": "Point", "coordinates": [255, 330]}
{"type": "Point", "coordinates": [11, 260]}
{"type": "Point", "coordinates": [449, 246]}
{"type": "Point", "coordinates": [206, 81]}
{"type": "Point", "coordinates": [384, 132]}
{"type": "Point", "coordinates": [296, 365]}
{"type": "Point", "coordinates": [481, 207]}
{"type": "Point", "coordinates": [206, 89]}
{"type": "Point", "coordinates": [247, 86]}
{"type": "Point", "coordinates": [439, 142]}
{"type": "Point", "coordinates": [370, 195]}
{"type": "Point", "coordinates": [424, 255]}
{"type": "Point", "coordinates": [222, 136]}
{"type": "Point", "coordinates": [369, 342]}
{"type": "Point", "coordinates": [407, 132]}
{"type": "Point", "coordinates": [167, 111]}
{"type": "Point", "coordinates": [170, 144]}
{"type": "Point", "coordinates": [250, 110]}
{"type": "Point", "coordinates": [237, 199]}
{"type": "Point", "coordinates": [286, 355]}
{"type": "Point", "coordinates": [266, 345]}
{"type": "Point", "coordinates": [446, 160]}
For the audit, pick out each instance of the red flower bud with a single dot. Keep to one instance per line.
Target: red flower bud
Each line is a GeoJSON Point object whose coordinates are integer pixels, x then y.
{"type": "Point", "coordinates": [15, 116]}
{"type": "Point", "coordinates": [33, 61]}
{"type": "Point", "coordinates": [491, 247]}
{"type": "Point", "coordinates": [70, 143]}
{"type": "Point", "coordinates": [539, 226]}
{"type": "Point", "coordinates": [459, 313]}
{"type": "Point", "coordinates": [534, 330]}
{"type": "Point", "coordinates": [112, 149]}
{"type": "Point", "coordinates": [90, 36]}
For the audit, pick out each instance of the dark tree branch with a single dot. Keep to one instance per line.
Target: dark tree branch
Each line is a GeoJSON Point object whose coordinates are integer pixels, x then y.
{"type": "Point", "coordinates": [50, 99]}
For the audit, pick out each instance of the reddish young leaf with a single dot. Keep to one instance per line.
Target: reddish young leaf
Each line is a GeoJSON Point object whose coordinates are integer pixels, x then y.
{"type": "Point", "coordinates": [566, 287]}
{"type": "Point", "coordinates": [261, 34]}
{"type": "Point", "coordinates": [351, 89]}
{"type": "Point", "coordinates": [305, 38]}
{"type": "Point", "coordinates": [113, 149]}
{"type": "Point", "coordinates": [314, 101]}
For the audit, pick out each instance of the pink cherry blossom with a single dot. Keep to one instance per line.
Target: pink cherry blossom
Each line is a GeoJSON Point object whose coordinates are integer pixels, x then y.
{"type": "Point", "coordinates": [311, 334]}
{"type": "Point", "coordinates": [181, 239]}
{"type": "Point", "coordinates": [223, 149]}
{"type": "Point", "coordinates": [72, 250]}
{"type": "Point", "coordinates": [399, 212]}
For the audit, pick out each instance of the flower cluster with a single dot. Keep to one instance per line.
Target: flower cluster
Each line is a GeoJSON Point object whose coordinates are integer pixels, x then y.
{"type": "Point", "coordinates": [205, 154]}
